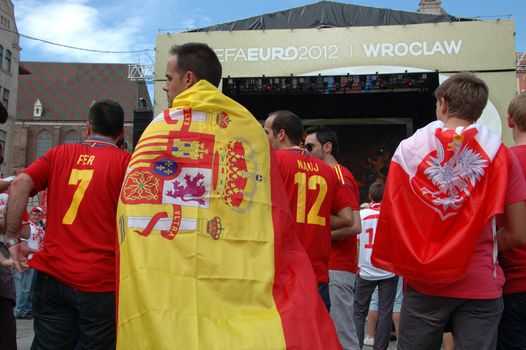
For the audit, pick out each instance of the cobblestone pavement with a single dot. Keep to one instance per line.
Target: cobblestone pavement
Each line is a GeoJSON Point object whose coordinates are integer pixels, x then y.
{"type": "Point", "coordinates": [24, 336]}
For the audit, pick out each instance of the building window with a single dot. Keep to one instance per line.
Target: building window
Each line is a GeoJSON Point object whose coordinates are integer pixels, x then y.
{"type": "Point", "coordinates": [1, 54]}
{"type": "Point", "coordinates": [37, 109]}
{"type": "Point", "coordinates": [2, 145]}
{"type": "Point", "coordinates": [72, 137]}
{"type": "Point", "coordinates": [43, 142]}
{"type": "Point", "coordinates": [5, 98]}
{"type": "Point", "coordinates": [7, 62]}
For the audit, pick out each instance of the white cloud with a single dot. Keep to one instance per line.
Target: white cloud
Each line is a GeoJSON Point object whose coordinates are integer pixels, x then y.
{"type": "Point", "coordinates": [77, 23]}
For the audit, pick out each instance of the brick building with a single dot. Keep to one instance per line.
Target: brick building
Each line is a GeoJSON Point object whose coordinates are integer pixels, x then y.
{"type": "Point", "coordinates": [53, 104]}
{"type": "Point", "coordinates": [521, 71]}
{"type": "Point", "coordinates": [9, 71]}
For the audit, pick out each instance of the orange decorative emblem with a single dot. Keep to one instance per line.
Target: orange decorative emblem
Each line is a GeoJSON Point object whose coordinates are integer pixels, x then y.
{"type": "Point", "coordinates": [141, 185]}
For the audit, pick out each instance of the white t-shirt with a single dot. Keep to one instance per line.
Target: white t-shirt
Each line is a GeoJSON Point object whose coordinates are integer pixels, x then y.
{"type": "Point", "coordinates": [3, 200]}
{"type": "Point", "coordinates": [36, 237]}
{"type": "Point", "coordinates": [369, 217]}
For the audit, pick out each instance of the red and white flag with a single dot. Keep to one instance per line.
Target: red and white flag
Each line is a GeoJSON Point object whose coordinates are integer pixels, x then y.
{"type": "Point", "coordinates": [443, 186]}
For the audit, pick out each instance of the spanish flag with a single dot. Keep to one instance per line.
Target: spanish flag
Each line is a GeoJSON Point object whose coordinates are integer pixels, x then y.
{"type": "Point", "coordinates": [207, 256]}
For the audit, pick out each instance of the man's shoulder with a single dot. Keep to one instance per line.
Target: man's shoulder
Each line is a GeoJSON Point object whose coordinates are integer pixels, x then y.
{"type": "Point", "coordinates": [518, 149]}
{"type": "Point", "coordinates": [366, 212]}
{"type": "Point", "coordinates": [345, 172]}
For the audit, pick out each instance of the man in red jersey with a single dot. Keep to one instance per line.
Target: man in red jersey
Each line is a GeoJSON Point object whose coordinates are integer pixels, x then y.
{"type": "Point", "coordinates": [74, 291]}
{"type": "Point", "coordinates": [314, 194]}
{"type": "Point", "coordinates": [322, 143]}
{"type": "Point", "coordinates": [513, 262]}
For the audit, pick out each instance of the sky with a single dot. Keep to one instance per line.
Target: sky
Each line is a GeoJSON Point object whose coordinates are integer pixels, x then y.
{"type": "Point", "coordinates": [132, 25]}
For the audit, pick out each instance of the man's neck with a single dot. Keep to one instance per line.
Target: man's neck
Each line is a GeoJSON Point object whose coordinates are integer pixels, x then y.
{"type": "Point", "coordinates": [329, 159]}
{"type": "Point", "coordinates": [520, 138]}
{"type": "Point", "coordinates": [102, 137]}
{"type": "Point", "coordinates": [453, 122]}
{"type": "Point", "coordinates": [287, 144]}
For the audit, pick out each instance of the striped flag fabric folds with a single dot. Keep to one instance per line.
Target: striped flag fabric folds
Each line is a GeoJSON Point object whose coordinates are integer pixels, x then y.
{"type": "Point", "coordinates": [207, 256]}
{"type": "Point", "coordinates": [443, 186]}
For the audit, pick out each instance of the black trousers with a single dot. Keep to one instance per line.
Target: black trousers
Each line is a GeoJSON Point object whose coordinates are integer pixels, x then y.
{"type": "Point", "coordinates": [67, 319]}
{"type": "Point", "coordinates": [7, 324]}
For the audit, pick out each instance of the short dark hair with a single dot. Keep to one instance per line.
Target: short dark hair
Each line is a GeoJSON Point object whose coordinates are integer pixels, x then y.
{"type": "Point", "coordinates": [325, 134]}
{"type": "Point", "coordinates": [465, 94]}
{"type": "Point", "coordinates": [200, 59]}
{"type": "Point", "coordinates": [106, 118]}
{"type": "Point", "coordinates": [376, 191]}
{"type": "Point", "coordinates": [290, 123]}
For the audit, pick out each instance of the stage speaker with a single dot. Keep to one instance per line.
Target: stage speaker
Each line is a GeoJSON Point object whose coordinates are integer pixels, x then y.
{"type": "Point", "coordinates": [141, 119]}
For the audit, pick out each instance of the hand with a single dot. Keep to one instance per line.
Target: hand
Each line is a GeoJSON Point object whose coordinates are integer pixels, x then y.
{"type": "Point", "coordinates": [19, 253]}
{"type": "Point", "coordinates": [6, 262]}
{"type": "Point", "coordinates": [9, 178]}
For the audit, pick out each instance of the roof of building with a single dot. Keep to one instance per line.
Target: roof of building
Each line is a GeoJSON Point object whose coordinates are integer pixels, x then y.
{"type": "Point", "coordinates": [67, 90]}
{"type": "Point", "coordinates": [22, 70]}
{"type": "Point", "coordinates": [327, 14]}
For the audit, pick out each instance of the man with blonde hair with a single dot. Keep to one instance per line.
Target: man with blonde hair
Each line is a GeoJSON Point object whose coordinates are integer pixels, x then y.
{"type": "Point", "coordinates": [446, 185]}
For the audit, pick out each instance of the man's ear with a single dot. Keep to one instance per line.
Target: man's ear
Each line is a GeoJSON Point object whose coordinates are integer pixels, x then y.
{"type": "Point", "coordinates": [327, 147]}
{"type": "Point", "coordinates": [443, 106]}
{"type": "Point", "coordinates": [511, 123]}
{"type": "Point", "coordinates": [120, 136]}
{"type": "Point", "coordinates": [189, 79]}
{"type": "Point", "coordinates": [89, 129]}
{"type": "Point", "coordinates": [281, 135]}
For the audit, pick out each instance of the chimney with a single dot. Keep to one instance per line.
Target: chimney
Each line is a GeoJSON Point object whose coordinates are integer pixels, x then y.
{"type": "Point", "coordinates": [431, 7]}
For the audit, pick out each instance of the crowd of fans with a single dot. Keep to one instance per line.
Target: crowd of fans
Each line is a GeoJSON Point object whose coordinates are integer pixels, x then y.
{"type": "Point", "coordinates": [436, 257]}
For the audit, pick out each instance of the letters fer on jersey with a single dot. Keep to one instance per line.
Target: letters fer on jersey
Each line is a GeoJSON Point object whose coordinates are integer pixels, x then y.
{"type": "Point", "coordinates": [177, 172]}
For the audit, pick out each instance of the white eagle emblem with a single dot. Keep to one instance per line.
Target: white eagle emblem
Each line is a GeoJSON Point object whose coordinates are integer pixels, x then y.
{"type": "Point", "coordinates": [456, 176]}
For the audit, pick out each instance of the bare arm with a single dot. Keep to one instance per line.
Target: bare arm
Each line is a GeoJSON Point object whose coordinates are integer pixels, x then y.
{"type": "Point", "coordinates": [342, 223]}
{"type": "Point", "coordinates": [513, 234]}
{"type": "Point", "coordinates": [348, 231]}
{"type": "Point", "coordinates": [16, 205]}
{"type": "Point", "coordinates": [4, 261]}
{"type": "Point", "coordinates": [4, 185]}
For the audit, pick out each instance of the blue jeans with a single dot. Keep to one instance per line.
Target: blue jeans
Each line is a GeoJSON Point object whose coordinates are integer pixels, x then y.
{"type": "Point", "coordinates": [66, 318]}
{"type": "Point", "coordinates": [511, 327]}
{"type": "Point", "coordinates": [23, 294]}
{"type": "Point", "coordinates": [323, 289]}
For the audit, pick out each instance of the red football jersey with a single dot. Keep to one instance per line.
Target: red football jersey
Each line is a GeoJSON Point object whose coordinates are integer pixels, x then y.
{"type": "Point", "coordinates": [344, 255]}
{"type": "Point", "coordinates": [513, 261]}
{"type": "Point", "coordinates": [83, 182]}
{"type": "Point", "coordinates": [314, 194]}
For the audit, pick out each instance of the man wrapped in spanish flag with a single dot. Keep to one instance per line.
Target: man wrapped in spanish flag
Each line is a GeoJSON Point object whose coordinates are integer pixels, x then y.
{"type": "Point", "coordinates": [208, 259]}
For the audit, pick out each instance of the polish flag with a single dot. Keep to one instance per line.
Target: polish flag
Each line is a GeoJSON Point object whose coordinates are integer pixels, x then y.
{"type": "Point", "coordinates": [443, 186]}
